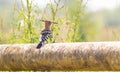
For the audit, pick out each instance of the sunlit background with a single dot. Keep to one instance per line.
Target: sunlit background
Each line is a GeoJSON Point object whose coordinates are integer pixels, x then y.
{"type": "Point", "coordinates": [81, 20]}
{"type": "Point", "coordinates": [95, 5]}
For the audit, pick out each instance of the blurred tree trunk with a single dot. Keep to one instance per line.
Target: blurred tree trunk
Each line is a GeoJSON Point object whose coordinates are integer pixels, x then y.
{"type": "Point", "coordinates": [61, 56]}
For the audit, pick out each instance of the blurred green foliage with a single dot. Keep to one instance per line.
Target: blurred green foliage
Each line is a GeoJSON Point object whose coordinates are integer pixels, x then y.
{"type": "Point", "coordinates": [78, 21]}
{"type": "Point", "coordinates": [75, 23]}
{"type": "Point", "coordinates": [24, 29]}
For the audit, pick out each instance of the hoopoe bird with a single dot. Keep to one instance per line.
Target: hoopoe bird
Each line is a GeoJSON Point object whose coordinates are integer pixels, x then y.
{"type": "Point", "coordinates": [45, 33]}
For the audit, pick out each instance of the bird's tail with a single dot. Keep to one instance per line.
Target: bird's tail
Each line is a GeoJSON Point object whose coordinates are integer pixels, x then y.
{"type": "Point", "coordinates": [39, 45]}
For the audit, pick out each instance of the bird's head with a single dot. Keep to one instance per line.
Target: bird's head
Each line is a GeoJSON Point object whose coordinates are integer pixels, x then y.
{"type": "Point", "coordinates": [48, 24]}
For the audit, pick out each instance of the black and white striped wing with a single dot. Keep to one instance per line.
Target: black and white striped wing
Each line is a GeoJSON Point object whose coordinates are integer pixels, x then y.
{"type": "Point", "coordinates": [46, 35]}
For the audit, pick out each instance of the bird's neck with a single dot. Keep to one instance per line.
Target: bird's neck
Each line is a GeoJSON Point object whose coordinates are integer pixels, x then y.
{"type": "Point", "coordinates": [47, 26]}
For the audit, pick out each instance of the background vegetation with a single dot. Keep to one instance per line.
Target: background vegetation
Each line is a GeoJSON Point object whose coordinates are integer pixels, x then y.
{"type": "Point", "coordinates": [20, 21]}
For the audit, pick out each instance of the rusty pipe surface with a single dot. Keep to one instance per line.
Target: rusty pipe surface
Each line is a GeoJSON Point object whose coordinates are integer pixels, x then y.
{"type": "Point", "coordinates": [61, 56]}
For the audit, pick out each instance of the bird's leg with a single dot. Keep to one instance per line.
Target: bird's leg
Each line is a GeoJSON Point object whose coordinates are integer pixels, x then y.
{"type": "Point", "coordinates": [51, 39]}
{"type": "Point", "coordinates": [47, 42]}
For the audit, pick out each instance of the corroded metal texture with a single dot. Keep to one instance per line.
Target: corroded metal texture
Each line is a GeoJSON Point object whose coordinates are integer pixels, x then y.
{"type": "Point", "coordinates": [61, 56]}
